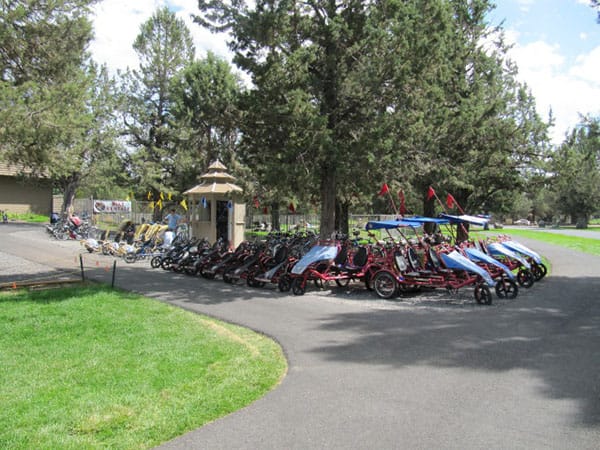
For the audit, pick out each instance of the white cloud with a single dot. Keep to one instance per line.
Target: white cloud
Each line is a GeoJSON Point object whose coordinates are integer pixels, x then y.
{"type": "Point", "coordinates": [568, 91]}
{"type": "Point", "coordinates": [587, 67]}
{"type": "Point", "coordinates": [117, 23]}
{"type": "Point", "coordinates": [524, 5]}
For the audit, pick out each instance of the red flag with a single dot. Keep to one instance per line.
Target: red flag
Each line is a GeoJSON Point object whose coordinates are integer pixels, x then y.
{"type": "Point", "coordinates": [256, 203]}
{"type": "Point", "coordinates": [265, 210]}
{"type": "Point", "coordinates": [292, 208]}
{"type": "Point", "coordinates": [402, 202]}
{"type": "Point", "coordinates": [430, 193]}
{"type": "Point", "coordinates": [384, 189]}
{"type": "Point", "coordinates": [450, 201]}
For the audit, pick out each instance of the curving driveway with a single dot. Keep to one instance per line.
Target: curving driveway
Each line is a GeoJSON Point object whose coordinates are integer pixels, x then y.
{"type": "Point", "coordinates": [427, 372]}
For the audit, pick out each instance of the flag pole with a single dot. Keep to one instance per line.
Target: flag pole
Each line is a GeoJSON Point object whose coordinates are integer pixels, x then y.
{"type": "Point", "coordinates": [392, 200]}
{"type": "Point", "coordinates": [443, 209]}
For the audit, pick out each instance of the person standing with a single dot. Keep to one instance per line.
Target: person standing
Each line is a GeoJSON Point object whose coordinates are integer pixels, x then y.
{"type": "Point", "coordinates": [172, 220]}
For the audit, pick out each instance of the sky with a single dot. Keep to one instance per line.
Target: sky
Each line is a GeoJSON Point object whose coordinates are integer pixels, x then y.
{"type": "Point", "coordinates": [555, 44]}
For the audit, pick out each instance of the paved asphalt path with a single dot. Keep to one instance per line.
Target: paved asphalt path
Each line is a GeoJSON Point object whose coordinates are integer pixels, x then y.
{"type": "Point", "coordinates": [428, 372]}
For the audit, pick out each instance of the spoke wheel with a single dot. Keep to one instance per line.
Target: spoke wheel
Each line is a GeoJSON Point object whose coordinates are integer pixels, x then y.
{"type": "Point", "coordinates": [506, 288]}
{"type": "Point", "coordinates": [385, 285]}
{"type": "Point", "coordinates": [227, 278]}
{"type": "Point", "coordinates": [343, 282]}
{"type": "Point", "coordinates": [166, 263]}
{"type": "Point", "coordinates": [525, 278]}
{"type": "Point", "coordinates": [207, 275]}
{"type": "Point", "coordinates": [130, 258]}
{"type": "Point", "coordinates": [539, 271]}
{"type": "Point", "coordinates": [483, 296]}
{"type": "Point", "coordinates": [284, 284]}
{"type": "Point", "coordinates": [298, 286]}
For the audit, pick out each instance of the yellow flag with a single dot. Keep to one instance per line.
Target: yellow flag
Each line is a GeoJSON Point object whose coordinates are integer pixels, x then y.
{"type": "Point", "coordinates": [151, 205]}
{"type": "Point", "coordinates": [149, 196]}
{"type": "Point", "coordinates": [159, 203]}
{"type": "Point", "coordinates": [127, 198]}
{"type": "Point", "coordinates": [162, 196]}
{"type": "Point", "coordinates": [169, 196]}
{"type": "Point", "coordinates": [183, 204]}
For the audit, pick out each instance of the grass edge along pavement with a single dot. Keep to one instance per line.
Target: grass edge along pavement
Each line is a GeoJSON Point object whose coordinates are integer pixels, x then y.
{"type": "Point", "coordinates": [581, 244]}
{"type": "Point", "coordinates": [90, 367]}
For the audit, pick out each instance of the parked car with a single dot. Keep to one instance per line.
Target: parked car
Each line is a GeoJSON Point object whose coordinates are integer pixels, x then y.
{"type": "Point", "coordinates": [522, 222]}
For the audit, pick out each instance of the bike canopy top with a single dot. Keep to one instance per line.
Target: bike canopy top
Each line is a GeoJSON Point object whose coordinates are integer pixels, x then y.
{"type": "Point", "coordinates": [389, 224]}
{"type": "Point", "coordinates": [456, 261]}
{"type": "Point", "coordinates": [473, 220]}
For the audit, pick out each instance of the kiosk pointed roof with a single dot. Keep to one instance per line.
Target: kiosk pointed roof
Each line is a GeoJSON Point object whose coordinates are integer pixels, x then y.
{"type": "Point", "coordinates": [215, 181]}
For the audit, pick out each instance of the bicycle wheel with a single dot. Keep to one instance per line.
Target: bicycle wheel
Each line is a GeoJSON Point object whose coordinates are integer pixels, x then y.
{"type": "Point", "coordinates": [483, 296]}
{"type": "Point", "coordinates": [298, 286]}
{"type": "Point", "coordinates": [155, 262]}
{"type": "Point", "coordinates": [506, 289]}
{"type": "Point", "coordinates": [385, 285]}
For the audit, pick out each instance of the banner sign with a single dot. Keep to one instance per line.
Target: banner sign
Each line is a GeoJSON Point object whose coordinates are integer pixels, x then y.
{"type": "Point", "coordinates": [112, 206]}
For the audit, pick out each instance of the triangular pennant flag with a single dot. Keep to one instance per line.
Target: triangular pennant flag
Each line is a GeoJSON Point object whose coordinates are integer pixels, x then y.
{"type": "Point", "coordinates": [384, 189]}
{"type": "Point", "coordinates": [183, 204]}
{"type": "Point", "coordinates": [450, 201]}
{"type": "Point", "coordinates": [430, 193]}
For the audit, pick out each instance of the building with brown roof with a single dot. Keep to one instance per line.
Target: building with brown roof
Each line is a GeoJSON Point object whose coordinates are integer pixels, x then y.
{"type": "Point", "coordinates": [22, 194]}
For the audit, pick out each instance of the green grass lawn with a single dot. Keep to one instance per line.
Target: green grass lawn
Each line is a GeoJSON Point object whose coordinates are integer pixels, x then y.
{"type": "Point", "coordinates": [28, 217]}
{"type": "Point", "coordinates": [88, 367]}
{"type": "Point", "coordinates": [582, 244]}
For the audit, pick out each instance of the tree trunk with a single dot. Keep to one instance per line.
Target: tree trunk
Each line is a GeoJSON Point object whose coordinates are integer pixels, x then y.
{"type": "Point", "coordinates": [328, 189]}
{"type": "Point", "coordinates": [275, 225]}
{"type": "Point", "coordinates": [582, 222]}
{"type": "Point", "coordinates": [70, 189]}
{"type": "Point", "coordinates": [429, 211]}
{"type": "Point", "coordinates": [341, 217]}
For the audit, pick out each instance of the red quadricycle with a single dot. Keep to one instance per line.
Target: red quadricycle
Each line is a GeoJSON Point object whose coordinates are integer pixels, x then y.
{"type": "Point", "coordinates": [416, 264]}
{"type": "Point", "coordinates": [333, 261]}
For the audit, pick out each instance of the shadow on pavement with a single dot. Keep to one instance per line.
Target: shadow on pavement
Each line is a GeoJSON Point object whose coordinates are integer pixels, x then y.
{"type": "Point", "coordinates": [555, 338]}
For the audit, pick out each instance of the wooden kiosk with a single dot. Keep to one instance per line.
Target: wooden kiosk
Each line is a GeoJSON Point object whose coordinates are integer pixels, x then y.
{"type": "Point", "coordinates": [216, 207]}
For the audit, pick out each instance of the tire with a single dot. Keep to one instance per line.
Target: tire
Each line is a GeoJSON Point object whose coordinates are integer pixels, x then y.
{"type": "Point", "coordinates": [207, 275]}
{"type": "Point", "coordinates": [343, 282]}
{"type": "Point", "coordinates": [525, 278]}
{"type": "Point", "coordinates": [284, 284]}
{"type": "Point", "coordinates": [166, 263]}
{"type": "Point", "coordinates": [190, 270]}
{"type": "Point", "coordinates": [130, 258]}
{"type": "Point", "coordinates": [62, 235]}
{"type": "Point", "coordinates": [298, 286]}
{"type": "Point", "coordinates": [483, 296]}
{"type": "Point", "coordinates": [385, 285]}
{"type": "Point", "coordinates": [155, 262]}
{"type": "Point", "coordinates": [539, 271]}
{"type": "Point", "coordinates": [252, 282]}
{"type": "Point", "coordinates": [506, 288]}
{"type": "Point", "coordinates": [227, 278]}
